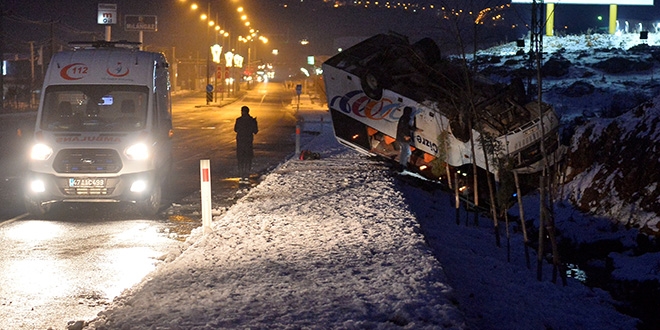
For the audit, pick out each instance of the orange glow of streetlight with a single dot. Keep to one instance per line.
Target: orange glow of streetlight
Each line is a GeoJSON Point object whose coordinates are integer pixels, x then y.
{"type": "Point", "coordinates": [243, 17]}
{"type": "Point", "coordinates": [239, 9]}
{"type": "Point", "coordinates": [247, 23]}
{"type": "Point", "coordinates": [194, 6]}
{"type": "Point", "coordinates": [203, 17]}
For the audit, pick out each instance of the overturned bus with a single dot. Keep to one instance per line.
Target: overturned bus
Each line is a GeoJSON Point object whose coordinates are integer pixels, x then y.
{"type": "Point", "coordinates": [457, 112]}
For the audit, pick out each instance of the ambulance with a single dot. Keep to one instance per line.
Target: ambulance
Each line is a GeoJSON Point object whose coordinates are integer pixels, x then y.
{"type": "Point", "coordinates": [103, 129]}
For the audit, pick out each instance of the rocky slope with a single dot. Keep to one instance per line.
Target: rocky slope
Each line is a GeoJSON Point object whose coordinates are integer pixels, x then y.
{"type": "Point", "coordinates": [615, 169]}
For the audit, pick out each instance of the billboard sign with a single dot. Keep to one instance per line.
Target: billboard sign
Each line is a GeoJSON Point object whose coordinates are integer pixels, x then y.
{"type": "Point", "coordinates": [592, 2]}
{"type": "Point", "coordinates": [107, 13]}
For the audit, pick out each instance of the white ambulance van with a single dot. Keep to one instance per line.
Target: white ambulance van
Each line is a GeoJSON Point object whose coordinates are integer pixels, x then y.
{"type": "Point", "coordinates": [103, 130]}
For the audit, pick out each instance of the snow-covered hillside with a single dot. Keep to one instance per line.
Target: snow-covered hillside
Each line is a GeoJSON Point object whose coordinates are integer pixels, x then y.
{"type": "Point", "coordinates": [603, 87]}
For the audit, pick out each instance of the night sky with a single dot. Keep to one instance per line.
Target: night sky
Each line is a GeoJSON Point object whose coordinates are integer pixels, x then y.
{"type": "Point", "coordinates": [181, 29]}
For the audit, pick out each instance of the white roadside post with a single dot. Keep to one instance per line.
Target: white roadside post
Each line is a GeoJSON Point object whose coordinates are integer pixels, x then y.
{"type": "Point", "coordinates": [205, 178]}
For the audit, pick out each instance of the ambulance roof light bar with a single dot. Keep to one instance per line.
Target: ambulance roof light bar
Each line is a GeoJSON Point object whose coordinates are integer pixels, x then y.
{"type": "Point", "coordinates": [105, 44]}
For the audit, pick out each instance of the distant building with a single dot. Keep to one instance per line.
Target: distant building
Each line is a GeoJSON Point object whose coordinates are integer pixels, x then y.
{"type": "Point", "coordinates": [20, 86]}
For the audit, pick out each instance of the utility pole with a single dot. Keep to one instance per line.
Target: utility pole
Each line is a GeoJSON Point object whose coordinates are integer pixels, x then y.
{"type": "Point", "coordinates": [546, 216]}
{"type": "Point", "coordinates": [2, 59]}
{"type": "Point", "coordinates": [31, 72]}
{"type": "Point", "coordinates": [52, 40]}
{"type": "Point", "coordinates": [209, 95]}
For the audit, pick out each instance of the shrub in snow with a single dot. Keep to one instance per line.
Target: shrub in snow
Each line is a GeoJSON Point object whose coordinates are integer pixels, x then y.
{"type": "Point", "coordinates": [579, 89]}
{"type": "Point", "coordinates": [622, 102]}
{"type": "Point", "coordinates": [618, 65]}
{"type": "Point", "coordinates": [557, 66]}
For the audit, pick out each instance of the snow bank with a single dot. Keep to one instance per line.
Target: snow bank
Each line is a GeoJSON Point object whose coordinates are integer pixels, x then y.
{"type": "Point", "coordinates": [339, 243]}
{"type": "Point", "coordinates": [317, 243]}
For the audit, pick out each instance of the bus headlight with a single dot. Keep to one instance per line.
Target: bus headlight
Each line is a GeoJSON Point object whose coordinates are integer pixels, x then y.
{"type": "Point", "coordinates": [138, 151]}
{"type": "Point", "coordinates": [41, 151]}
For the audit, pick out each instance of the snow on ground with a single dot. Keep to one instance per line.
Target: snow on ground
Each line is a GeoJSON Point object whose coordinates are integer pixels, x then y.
{"type": "Point", "coordinates": [581, 42]}
{"type": "Point", "coordinates": [584, 51]}
{"type": "Point", "coordinates": [342, 243]}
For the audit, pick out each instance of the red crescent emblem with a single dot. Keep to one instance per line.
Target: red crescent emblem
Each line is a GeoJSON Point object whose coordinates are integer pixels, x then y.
{"type": "Point", "coordinates": [120, 71]}
{"type": "Point", "coordinates": [74, 71]}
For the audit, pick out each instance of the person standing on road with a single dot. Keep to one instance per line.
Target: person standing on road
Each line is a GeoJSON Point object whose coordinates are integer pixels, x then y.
{"type": "Point", "coordinates": [245, 128]}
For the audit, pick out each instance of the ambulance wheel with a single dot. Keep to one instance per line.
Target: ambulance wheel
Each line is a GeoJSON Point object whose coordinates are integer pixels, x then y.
{"type": "Point", "coordinates": [151, 205]}
{"type": "Point", "coordinates": [36, 208]}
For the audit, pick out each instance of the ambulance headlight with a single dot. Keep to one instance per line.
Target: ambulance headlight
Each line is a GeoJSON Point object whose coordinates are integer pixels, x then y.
{"type": "Point", "coordinates": [41, 151]}
{"type": "Point", "coordinates": [37, 186]}
{"type": "Point", "coordinates": [139, 186]}
{"type": "Point", "coordinates": [138, 151]}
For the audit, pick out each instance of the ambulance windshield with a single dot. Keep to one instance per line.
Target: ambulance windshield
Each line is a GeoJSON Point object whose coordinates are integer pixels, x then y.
{"type": "Point", "coordinates": [102, 108]}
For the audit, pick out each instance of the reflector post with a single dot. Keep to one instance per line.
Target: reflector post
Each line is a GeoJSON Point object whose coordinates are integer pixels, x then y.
{"type": "Point", "coordinates": [205, 178]}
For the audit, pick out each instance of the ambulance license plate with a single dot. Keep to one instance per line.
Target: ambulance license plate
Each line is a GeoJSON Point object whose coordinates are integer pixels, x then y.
{"type": "Point", "coordinates": [86, 182]}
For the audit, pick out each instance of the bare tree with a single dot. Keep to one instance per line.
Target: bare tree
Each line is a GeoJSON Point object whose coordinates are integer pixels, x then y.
{"type": "Point", "coordinates": [465, 25]}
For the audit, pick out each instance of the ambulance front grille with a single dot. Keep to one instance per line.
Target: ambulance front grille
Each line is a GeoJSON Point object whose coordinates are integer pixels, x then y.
{"type": "Point", "coordinates": [87, 161]}
{"type": "Point", "coordinates": [80, 191]}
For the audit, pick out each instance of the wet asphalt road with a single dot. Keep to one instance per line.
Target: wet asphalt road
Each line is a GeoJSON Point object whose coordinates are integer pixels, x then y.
{"type": "Point", "coordinates": [71, 264]}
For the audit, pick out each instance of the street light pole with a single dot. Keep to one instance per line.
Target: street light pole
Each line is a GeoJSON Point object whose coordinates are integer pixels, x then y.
{"type": "Point", "coordinates": [208, 51]}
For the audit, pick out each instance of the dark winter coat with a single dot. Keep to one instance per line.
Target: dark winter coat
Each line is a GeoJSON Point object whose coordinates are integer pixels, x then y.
{"type": "Point", "coordinates": [245, 128]}
{"type": "Point", "coordinates": [404, 129]}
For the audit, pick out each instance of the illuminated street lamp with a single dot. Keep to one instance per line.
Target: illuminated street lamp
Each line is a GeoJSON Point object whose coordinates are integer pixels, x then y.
{"type": "Point", "coordinates": [216, 50]}
{"type": "Point", "coordinates": [229, 62]}
{"type": "Point", "coordinates": [238, 61]}
{"type": "Point", "coordinates": [229, 57]}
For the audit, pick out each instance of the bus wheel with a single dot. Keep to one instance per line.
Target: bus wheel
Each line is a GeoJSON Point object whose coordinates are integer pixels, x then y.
{"type": "Point", "coordinates": [372, 84]}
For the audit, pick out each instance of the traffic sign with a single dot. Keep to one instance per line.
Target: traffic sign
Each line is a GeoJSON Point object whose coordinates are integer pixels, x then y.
{"type": "Point", "coordinates": [141, 23]}
{"type": "Point", "coordinates": [209, 88]}
{"type": "Point", "coordinates": [299, 89]}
